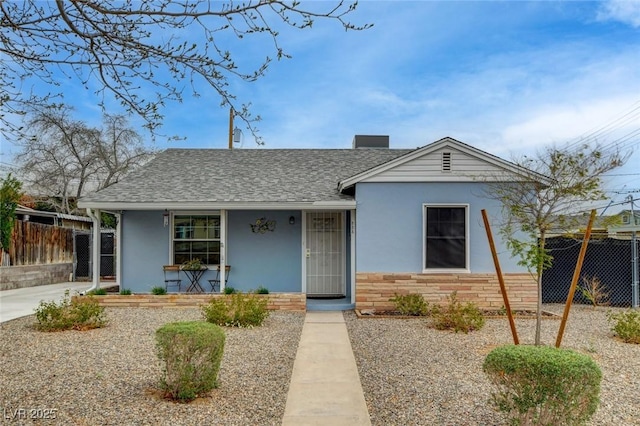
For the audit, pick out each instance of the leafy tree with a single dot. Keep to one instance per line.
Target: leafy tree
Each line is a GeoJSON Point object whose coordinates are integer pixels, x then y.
{"type": "Point", "coordinates": [534, 206]}
{"type": "Point", "coordinates": [63, 157]}
{"type": "Point", "coordinates": [133, 48]}
{"type": "Point", "coordinates": [9, 196]}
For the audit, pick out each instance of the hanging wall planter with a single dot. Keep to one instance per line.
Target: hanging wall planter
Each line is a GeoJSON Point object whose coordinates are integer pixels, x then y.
{"type": "Point", "coordinates": [263, 225]}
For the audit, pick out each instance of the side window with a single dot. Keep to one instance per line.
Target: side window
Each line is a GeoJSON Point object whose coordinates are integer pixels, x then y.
{"type": "Point", "coordinates": [445, 237]}
{"type": "Point", "coordinates": [196, 237]}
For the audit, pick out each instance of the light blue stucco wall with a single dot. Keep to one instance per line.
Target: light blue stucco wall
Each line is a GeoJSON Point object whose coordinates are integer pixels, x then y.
{"type": "Point", "coordinates": [145, 248]}
{"type": "Point", "coordinates": [389, 229]}
{"type": "Point", "coordinates": [272, 259]}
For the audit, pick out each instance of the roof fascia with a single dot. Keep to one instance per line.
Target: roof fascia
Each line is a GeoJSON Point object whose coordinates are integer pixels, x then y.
{"type": "Point", "coordinates": [310, 205]}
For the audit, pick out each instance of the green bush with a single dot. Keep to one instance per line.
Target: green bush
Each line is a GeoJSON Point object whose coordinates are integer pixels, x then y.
{"type": "Point", "coordinates": [190, 353]}
{"type": "Point", "coordinates": [236, 310]}
{"type": "Point", "coordinates": [125, 292]}
{"type": "Point", "coordinates": [262, 290]}
{"type": "Point", "coordinates": [158, 290]}
{"type": "Point", "coordinates": [541, 385]}
{"type": "Point", "coordinates": [97, 292]}
{"type": "Point", "coordinates": [229, 290]}
{"type": "Point", "coordinates": [626, 325]}
{"type": "Point", "coordinates": [77, 314]}
{"type": "Point", "coordinates": [456, 316]}
{"type": "Point", "coordinates": [410, 304]}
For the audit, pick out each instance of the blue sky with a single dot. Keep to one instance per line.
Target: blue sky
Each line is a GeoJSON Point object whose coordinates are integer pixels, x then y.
{"type": "Point", "coordinates": [506, 77]}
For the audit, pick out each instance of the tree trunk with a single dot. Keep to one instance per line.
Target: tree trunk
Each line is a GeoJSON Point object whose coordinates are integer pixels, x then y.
{"type": "Point", "coordinates": [540, 270]}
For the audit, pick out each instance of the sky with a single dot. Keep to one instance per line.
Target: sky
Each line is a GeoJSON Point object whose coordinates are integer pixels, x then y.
{"type": "Point", "coordinates": [507, 77]}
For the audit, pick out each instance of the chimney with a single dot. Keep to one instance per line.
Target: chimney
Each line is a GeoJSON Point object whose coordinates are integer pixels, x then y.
{"type": "Point", "coordinates": [370, 141]}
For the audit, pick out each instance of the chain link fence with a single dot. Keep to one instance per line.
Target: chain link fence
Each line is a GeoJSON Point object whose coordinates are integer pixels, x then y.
{"type": "Point", "coordinates": [607, 276]}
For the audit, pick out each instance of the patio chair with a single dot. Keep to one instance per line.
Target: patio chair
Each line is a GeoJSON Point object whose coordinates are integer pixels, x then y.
{"type": "Point", "coordinates": [171, 276]}
{"type": "Point", "coordinates": [215, 283]}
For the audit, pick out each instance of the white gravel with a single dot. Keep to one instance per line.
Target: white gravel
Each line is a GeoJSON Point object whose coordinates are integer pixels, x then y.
{"type": "Point", "coordinates": [411, 374]}
{"type": "Point", "coordinates": [415, 375]}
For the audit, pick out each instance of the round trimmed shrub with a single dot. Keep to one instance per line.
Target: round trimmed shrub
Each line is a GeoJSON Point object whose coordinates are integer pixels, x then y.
{"type": "Point", "coordinates": [542, 385]}
{"type": "Point", "coordinates": [190, 352]}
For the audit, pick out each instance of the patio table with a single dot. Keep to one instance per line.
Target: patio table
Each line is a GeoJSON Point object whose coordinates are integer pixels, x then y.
{"type": "Point", "coordinates": [194, 275]}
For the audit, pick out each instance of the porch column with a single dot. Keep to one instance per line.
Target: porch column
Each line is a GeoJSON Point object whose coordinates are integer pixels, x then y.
{"type": "Point", "coordinates": [352, 231]}
{"type": "Point", "coordinates": [223, 249]}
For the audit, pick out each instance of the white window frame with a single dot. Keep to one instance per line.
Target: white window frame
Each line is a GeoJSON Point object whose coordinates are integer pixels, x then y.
{"type": "Point", "coordinates": [172, 239]}
{"type": "Point", "coordinates": [426, 270]}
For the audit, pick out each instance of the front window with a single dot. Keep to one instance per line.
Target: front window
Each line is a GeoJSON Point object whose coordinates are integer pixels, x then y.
{"type": "Point", "coordinates": [445, 229]}
{"type": "Point", "coordinates": [196, 237]}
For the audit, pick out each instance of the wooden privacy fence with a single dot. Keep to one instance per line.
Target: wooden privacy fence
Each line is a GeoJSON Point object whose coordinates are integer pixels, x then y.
{"type": "Point", "coordinates": [39, 244]}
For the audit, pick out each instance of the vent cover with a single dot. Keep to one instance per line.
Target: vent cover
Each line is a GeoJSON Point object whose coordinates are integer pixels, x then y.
{"type": "Point", "coordinates": [446, 161]}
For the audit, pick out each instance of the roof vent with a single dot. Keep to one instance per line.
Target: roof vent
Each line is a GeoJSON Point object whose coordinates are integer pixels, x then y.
{"type": "Point", "coordinates": [446, 161]}
{"type": "Point", "coordinates": [370, 141]}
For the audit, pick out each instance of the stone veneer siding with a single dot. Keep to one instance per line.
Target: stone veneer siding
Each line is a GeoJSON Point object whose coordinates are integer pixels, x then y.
{"type": "Point", "coordinates": [277, 301]}
{"type": "Point", "coordinates": [34, 275]}
{"type": "Point", "coordinates": [374, 289]}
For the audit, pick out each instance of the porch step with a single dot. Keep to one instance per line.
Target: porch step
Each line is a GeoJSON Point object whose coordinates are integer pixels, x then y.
{"type": "Point", "coordinates": [329, 305]}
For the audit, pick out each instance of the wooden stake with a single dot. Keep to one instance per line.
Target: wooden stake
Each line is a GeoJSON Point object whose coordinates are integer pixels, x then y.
{"type": "Point", "coordinates": [503, 288]}
{"type": "Point", "coordinates": [574, 281]}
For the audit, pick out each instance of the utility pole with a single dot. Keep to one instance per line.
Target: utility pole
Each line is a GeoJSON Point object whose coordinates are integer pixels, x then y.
{"type": "Point", "coordinates": [231, 128]}
{"type": "Point", "coordinates": [634, 257]}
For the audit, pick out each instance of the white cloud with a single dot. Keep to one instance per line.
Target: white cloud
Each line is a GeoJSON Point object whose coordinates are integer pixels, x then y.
{"type": "Point", "coordinates": [626, 11]}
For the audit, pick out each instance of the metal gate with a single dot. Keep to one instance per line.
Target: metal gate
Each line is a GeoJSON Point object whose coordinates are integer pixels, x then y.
{"type": "Point", "coordinates": [82, 255]}
{"type": "Point", "coordinates": [83, 259]}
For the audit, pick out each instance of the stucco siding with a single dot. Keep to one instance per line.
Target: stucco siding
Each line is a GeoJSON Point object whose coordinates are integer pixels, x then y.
{"type": "Point", "coordinates": [145, 248]}
{"type": "Point", "coordinates": [389, 229]}
{"type": "Point", "coordinates": [272, 259]}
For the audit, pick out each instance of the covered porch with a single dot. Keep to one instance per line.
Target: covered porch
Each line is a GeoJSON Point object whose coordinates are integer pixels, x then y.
{"type": "Point", "coordinates": [308, 251]}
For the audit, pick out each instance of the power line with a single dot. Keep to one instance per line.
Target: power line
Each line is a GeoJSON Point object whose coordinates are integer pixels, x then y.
{"type": "Point", "coordinates": [612, 126]}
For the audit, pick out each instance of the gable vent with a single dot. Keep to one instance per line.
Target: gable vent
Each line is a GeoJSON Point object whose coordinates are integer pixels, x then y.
{"type": "Point", "coordinates": [446, 161]}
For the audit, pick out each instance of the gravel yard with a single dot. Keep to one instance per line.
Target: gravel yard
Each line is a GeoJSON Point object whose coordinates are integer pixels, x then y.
{"type": "Point", "coordinates": [411, 374]}
{"type": "Point", "coordinates": [109, 376]}
{"type": "Point", "coordinates": [415, 375]}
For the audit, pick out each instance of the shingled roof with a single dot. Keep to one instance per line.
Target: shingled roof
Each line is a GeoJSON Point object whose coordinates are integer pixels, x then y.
{"type": "Point", "coordinates": [210, 177]}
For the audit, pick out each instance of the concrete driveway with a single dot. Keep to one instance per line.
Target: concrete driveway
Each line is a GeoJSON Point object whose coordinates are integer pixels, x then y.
{"type": "Point", "coordinates": [20, 302]}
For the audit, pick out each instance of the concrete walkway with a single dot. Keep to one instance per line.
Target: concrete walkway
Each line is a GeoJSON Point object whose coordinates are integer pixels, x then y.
{"type": "Point", "coordinates": [21, 302]}
{"type": "Point", "coordinates": [325, 386]}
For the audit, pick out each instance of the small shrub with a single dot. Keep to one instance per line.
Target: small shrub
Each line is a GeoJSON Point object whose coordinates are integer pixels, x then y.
{"type": "Point", "coordinates": [456, 316]}
{"type": "Point", "coordinates": [541, 385]}
{"type": "Point", "coordinates": [190, 353]}
{"type": "Point", "coordinates": [78, 314]}
{"type": "Point", "coordinates": [262, 290]}
{"type": "Point", "coordinates": [594, 291]}
{"type": "Point", "coordinates": [97, 292]}
{"type": "Point", "coordinates": [236, 310]}
{"type": "Point", "coordinates": [125, 292]}
{"type": "Point", "coordinates": [626, 325]}
{"type": "Point", "coordinates": [230, 290]}
{"type": "Point", "coordinates": [411, 304]}
{"type": "Point", "coordinates": [158, 290]}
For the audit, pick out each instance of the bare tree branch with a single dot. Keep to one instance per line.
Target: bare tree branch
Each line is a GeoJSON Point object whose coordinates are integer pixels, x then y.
{"type": "Point", "coordinates": [130, 47]}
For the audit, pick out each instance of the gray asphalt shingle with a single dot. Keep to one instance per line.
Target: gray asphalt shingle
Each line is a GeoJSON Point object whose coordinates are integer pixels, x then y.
{"type": "Point", "coordinates": [251, 175]}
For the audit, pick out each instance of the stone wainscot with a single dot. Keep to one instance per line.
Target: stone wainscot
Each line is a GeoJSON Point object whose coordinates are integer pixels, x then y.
{"type": "Point", "coordinates": [276, 301]}
{"type": "Point", "coordinates": [373, 290]}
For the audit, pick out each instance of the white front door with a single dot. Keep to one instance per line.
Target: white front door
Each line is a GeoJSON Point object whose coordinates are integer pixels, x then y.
{"type": "Point", "coordinates": [325, 262]}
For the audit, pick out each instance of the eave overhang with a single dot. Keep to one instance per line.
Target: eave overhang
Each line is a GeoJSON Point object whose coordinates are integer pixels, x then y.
{"type": "Point", "coordinates": [222, 205]}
